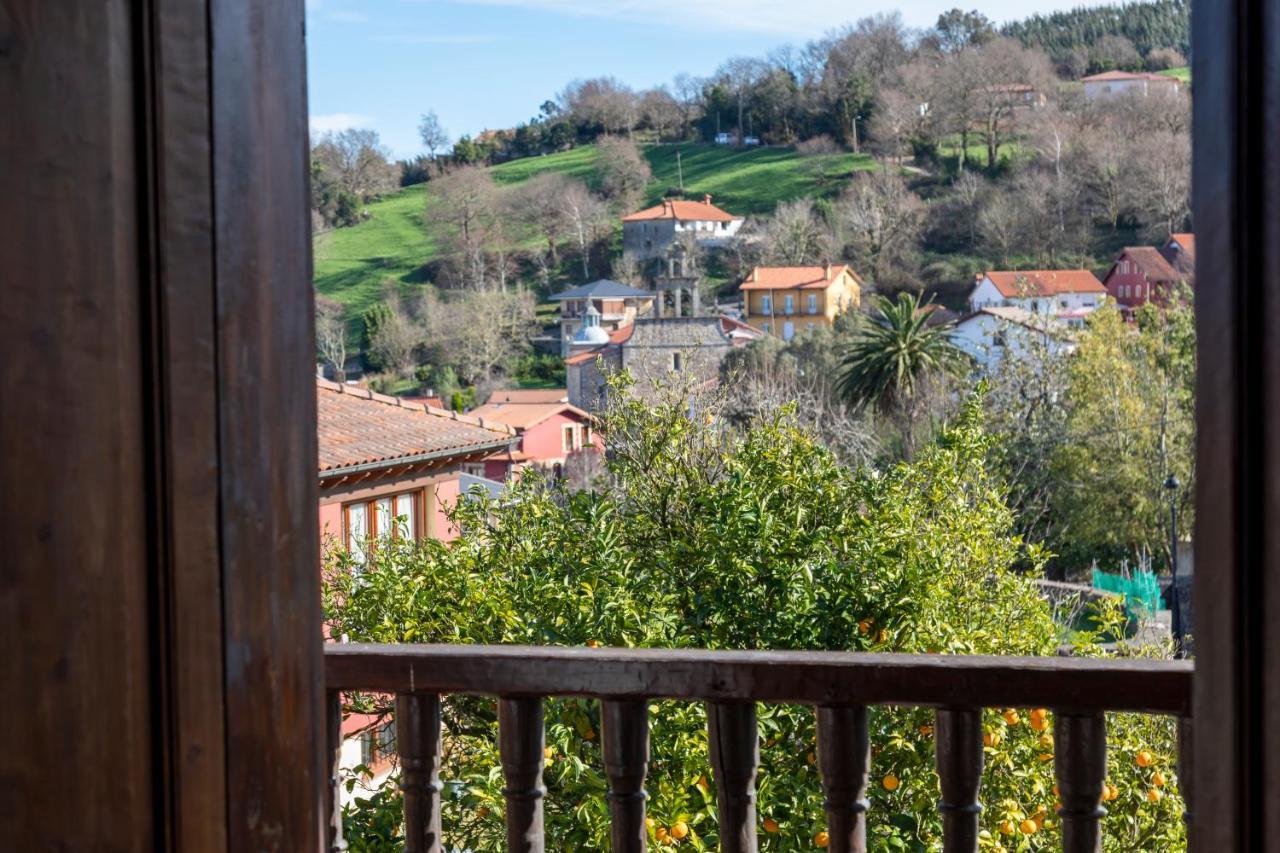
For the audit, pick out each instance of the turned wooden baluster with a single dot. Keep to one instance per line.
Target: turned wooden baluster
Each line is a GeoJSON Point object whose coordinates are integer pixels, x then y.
{"type": "Point", "coordinates": [333, 802]}
{"type": "Point", "coordinates": [1185, 771]}
{"type": "Point", "coordinates": [418, 741]}
{"type": "Point", "coordinates": [844, 757]}
{"type": "Point", "coordinates": [1081, 768]}
{"type": "Point", "coordinates": [735, 755]}
{"type": "Point", "coordinates": [520, 745]}
{"type": "Point", "coordinates": [624, 735]}
{"type": "Point", "coordinates": [958, 746]}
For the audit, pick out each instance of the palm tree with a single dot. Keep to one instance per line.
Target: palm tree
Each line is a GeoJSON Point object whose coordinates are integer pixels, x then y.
{"type": "Point", "coordinates": [895, 356]}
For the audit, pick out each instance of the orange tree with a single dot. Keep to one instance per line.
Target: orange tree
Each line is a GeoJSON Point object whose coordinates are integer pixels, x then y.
{"type": "Point", "coordinates": [752, 537]}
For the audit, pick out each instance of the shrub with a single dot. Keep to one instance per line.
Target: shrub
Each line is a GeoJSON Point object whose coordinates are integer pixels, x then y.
{"type": "Point", "coordinates": [719, 538]}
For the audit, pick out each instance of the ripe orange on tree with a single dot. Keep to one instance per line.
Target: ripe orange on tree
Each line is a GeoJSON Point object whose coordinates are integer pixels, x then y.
{"type": "Point", "coordinates": [679, 830]}
{"type": "Point", "coordinates": [1145, 759]}
{"type": "Point", "coordinates": [822, 839]}
{"type": "Point", "coordinates": [770, 825]}
{"type": "Point", "coordinates": [890, 782]}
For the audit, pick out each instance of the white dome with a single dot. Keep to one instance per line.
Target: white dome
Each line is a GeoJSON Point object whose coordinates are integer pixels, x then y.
{"type": "Point", "coordinates": [592, 335]}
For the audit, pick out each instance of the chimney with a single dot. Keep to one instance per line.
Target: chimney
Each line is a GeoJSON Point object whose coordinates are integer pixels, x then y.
{"type": "Point", "coordinates": [668, 206]}
{"type": "Point", "coordinates": [755, 274]}
{"type": "Point", "coordinates": [706, 199]}
{"type": "Point", "coordinates": [977, 278]}
{"type": "Point", "coordinates": [828, 278]}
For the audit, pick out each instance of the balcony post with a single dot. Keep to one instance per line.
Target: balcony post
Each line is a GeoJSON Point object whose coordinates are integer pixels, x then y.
{"type": "Point", "coordinates": [333, 753]}
{"type": "Point", "coordinates": [520, 745]}
{"type": "Point", "coordinates": [735, 756]}
{"type": "Point", "coordinates": [844, 757]}
{"type": "Point", "coordinates": [624, 738]}
{"type": "Point", "coordinates": [1081, 769]}
{"type": "Point", "coordinates": [418, 741]}
{"type": "Point", "coordinates": [958, 746]}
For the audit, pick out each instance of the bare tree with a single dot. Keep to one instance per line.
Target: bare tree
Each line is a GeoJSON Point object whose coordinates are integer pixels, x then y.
{"type": "Point", "coordinates": [1162, 183]}
{"type": "Point", "coordinates": [883, 218]}
{"type": "Point", "coordinates": [740, 76]}
{"type": "Point", "coordinates": [585, 215]}
{"type": "Point", "coordinates": [688, 94]}
{"type": "Point", "coordinates": [465, 202]}
{"type": "Point", "coordinates": [331, 334]}
{"type": "Point", "coordinates": [433, 134]}
{"type": "Point", "coordinates": [356, 162]}
{"type": "Point", "coordinates": [537, 203]}
{"type": "Point", "coordinates": [624, 173]}
{"type": "Point", "coordinates": [479, 332]}
{"type": "Point", "coordinates": [793, 236]}
{"type": "Point", "coordinates": [395, 338]}
{"type": "Point", "coordinates": [998, 70]}
{"type": "Point", "coordinates": [601, 102]}
{"type": "Point", "coordinates": [660, 111]}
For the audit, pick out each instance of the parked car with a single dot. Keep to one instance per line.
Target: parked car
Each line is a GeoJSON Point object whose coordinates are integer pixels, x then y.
{"type": "Point", "coordinates": [751, 140]}
{"type": "Point", "coordinates": [724, 138]}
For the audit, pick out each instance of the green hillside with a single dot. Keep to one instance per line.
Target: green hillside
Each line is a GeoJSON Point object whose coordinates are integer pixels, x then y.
{"type": "Point", "coordinates": [351, 263]}
{"type": "Point", "coordinates": [1183, 73]}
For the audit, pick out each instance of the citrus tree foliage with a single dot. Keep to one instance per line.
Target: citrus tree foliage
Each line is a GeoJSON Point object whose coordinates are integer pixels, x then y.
{"type": "Point", "coordinates": [720, 537]}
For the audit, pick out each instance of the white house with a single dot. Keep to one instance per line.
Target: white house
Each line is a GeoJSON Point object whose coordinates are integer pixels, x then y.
{"type": "Point", "coordinates": [992, 334]}
{"type": "Point", "coordinates": [1067, 296]}
{"type": "Point", "coordinates": [647, 233]}
{"type": "Point", "coordinates": [1114, 84]}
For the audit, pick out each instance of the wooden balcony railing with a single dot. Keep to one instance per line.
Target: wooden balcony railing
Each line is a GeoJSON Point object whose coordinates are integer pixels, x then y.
{"type": "Point", "coordinates": [839, 685]}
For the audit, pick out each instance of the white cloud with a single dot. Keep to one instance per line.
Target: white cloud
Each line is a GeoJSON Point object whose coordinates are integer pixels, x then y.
{"type": "Point", "coordinates": [774, 17]}
{"type": "Point", "coordinates": [339, 121]}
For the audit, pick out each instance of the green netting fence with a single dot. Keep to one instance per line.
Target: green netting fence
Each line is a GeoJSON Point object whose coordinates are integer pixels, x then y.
{"type": "Point", "coordinates": [1140, 589]}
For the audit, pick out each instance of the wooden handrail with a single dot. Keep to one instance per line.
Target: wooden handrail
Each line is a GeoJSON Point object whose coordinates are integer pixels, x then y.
{"type": "Point", "coordinates": [840, 685]}
{"type": "Point", "coordinates": [799, 678]}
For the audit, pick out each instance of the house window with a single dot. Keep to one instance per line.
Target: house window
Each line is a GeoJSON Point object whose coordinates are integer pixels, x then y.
{"type": "Point", "coordinates": [768, 328]}
{"type": "Point", "coordinates": [789, 304]}
{"type": "Point", "coordinates": [766, 304]}
{"type": "Point", "coordinates": [585, 432]}
{"type": "Point", "coordinates": [475, 469]}
{"type": "Point", "coordinates": [394, 516]}
{"type": "Point", "coordinates": [566, 438]}
{"type": "Point", "coordinates": [675, 361]}
{"type": "Point", "coordinates": [813, 303]}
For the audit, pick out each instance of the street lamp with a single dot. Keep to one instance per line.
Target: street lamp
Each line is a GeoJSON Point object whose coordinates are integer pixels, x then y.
{"type": "Point", "coordinates": [1172, 485]}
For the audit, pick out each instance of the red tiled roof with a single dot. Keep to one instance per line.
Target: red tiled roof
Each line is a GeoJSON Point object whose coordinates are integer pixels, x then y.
{"type": "Point", "coordinates": [1152, 264]}
{"type": "Point", "coordinates": [522, 416]}
{"type": "Point", "coordinates": [1108, 76]}
{"type": "Point", "coordinates": [528, 395]}
{"type": "Point", "coordinates": [1024, 283]}
{"type": "Point", "coordinates": [1185, 260]}
{"type": "Point", "coordinates": [357, 427]}
{"type": "Point", "coordinates": [616, 337]}
{"type": "Point", "coordinates": [683, 211]}
{"type": "Point", "coordinates": [795, 278]}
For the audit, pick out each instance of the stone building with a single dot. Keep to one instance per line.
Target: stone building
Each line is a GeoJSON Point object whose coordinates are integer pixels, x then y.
{"type": "Point", "coordinates": [647, 234]}
{"type": "Point", "coordinates": [651, 349]}
{"type": "Point", "coordinates": [616, 304]}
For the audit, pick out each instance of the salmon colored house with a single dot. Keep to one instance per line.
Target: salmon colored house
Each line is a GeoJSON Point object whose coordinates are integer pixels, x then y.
{"type": "Point", "coordinates": [548, 426]}
{"type": "Point", "coordinates": [394, 467]}
{"type": "Point", "coordinates": [784, 301]}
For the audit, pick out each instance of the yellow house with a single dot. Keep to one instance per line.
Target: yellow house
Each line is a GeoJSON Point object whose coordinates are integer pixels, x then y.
{"type": "Point", "coordinates": [788, 300]}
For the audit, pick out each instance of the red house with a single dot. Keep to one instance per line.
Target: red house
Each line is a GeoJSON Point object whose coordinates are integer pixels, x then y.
{"type": "Point", "coordinates": [549, 427]}
{"type": "Point", "coordinates": [389, 466]}
{"type": "Point", "coordinates": [1142, 274]}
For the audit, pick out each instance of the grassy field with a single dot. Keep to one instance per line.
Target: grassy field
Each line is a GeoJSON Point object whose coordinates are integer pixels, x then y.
{"type": "Point", "coordinates": [1183, 74]}
{"type": "Point", "coordinates": [351, 263]}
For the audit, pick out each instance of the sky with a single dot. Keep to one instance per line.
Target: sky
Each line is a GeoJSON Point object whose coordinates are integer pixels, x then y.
{"type": "Point", "coordinates": [481, 64]}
